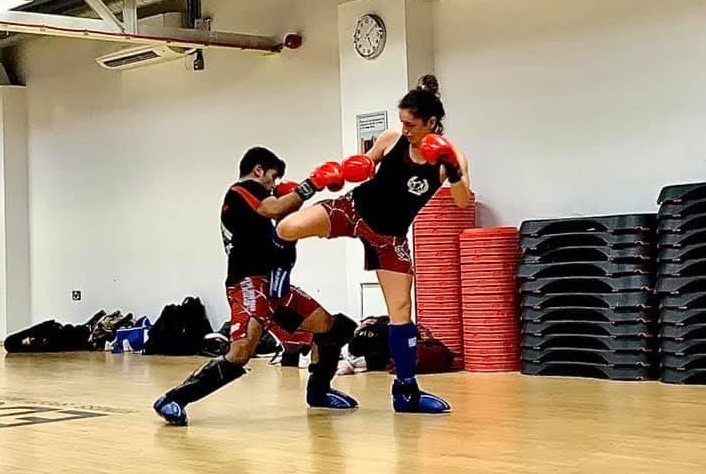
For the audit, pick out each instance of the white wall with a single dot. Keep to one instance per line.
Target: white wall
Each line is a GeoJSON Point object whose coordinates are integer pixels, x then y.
{"type": "Point", "coordinates": [419, 36]}
{"type": "Point", "coordinates": [574, 107]}
{"type": "Point", "coordinates": [128, 170]}
{"type": "Point", "coordinates": [14, 212]}
{"type": "Point", "coordinates": [566, 107]}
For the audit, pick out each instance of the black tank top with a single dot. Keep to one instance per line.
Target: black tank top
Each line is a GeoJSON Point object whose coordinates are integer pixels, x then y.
{"type": "Point", "coordinates": [389, 202]}
{"type": "Point", "coordinates": [247, 235]}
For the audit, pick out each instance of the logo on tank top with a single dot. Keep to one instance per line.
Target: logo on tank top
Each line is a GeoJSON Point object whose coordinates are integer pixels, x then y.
{"type": "Point", "coordinates": [417, 186]}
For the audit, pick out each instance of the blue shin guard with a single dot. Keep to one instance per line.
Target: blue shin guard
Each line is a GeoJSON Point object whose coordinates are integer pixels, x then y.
{"type": "Point", "coordinates": [403, 349]}
{"type": "Point", "coordinates": [406, 396]}
{"type": "Point", "coordinates": [171, 411]}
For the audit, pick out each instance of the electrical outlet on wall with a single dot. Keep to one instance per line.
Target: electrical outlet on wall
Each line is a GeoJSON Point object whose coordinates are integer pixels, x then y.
{"type": "Point", "coordinates": [76, 295]}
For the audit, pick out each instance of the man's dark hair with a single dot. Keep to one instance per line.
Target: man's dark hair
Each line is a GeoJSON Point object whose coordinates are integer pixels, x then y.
{"type": "Point", "coordinates": [263, 157]}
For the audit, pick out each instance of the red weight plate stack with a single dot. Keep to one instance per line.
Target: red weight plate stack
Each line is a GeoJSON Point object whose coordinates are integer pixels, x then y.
{"type": "Point", "coordinates": [437, 268]}
{"type": "Point", "coordinates": [490, 316]}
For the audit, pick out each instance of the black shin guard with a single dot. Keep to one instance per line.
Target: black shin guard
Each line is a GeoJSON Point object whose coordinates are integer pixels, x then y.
{"type": "Point", "coordinates": [205, 380]}
{"type": "Point", "coordinates": [328, 347]}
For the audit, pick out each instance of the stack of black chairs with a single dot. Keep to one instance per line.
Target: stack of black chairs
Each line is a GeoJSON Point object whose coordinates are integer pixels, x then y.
{"type": "Point", "coordinates": [681, 283]}
{"type": "Point", "coordinates": [587, 293]}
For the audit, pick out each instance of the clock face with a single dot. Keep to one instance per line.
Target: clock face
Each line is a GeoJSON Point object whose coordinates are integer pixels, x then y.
{"type": "Point", "coordinates": [369, 36]}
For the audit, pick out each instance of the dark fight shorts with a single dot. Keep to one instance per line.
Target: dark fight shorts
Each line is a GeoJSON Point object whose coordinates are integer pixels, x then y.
{"type": "Point", "coordinates": [382, 252]}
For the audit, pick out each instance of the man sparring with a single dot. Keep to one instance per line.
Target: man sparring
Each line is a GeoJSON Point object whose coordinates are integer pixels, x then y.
{"type": "Point", "coordinates": [258, 289]}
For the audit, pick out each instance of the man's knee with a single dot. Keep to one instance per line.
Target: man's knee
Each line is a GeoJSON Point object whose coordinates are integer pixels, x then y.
{"type": "Point", "coordinates": [289, 320]}
{"type": "Point", "coordinates": [318, 322]}
{"type": "Point", "coordinates": [340, 331]}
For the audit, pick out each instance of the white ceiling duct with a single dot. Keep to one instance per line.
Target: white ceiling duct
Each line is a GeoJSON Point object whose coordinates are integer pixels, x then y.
{"type": "Point", "coordinates": [142, 55]}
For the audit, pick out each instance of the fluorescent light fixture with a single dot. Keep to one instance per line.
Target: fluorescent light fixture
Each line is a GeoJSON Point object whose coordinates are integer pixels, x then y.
{"type": "Point", "coordinates": [6, 5]}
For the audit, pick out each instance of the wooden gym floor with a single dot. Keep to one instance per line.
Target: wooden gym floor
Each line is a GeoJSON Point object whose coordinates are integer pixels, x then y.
{"type": "Point", "coordinates": [91, 413]}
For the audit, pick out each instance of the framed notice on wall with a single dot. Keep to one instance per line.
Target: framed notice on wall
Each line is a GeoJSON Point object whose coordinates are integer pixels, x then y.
{"type": "Point", "coordinates": [369, 127]}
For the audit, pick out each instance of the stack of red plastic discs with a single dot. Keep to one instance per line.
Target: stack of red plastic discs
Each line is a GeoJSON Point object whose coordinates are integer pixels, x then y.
{"type": "Point", "coordinates": [437, 269]}
{"type": "Point", "coordinates": [491, 328]}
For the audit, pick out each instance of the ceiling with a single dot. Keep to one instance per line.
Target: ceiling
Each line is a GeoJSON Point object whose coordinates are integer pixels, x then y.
{"type": "Point", "coordinates": [80, 8]}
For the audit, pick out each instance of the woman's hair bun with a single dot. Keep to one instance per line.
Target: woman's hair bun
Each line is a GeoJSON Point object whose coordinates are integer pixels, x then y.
{"type": "Point", "coordinates": [428, 82]}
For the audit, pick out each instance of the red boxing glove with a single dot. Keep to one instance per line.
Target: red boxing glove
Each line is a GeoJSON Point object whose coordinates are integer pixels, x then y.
{"type": "Point", "coordinates": [437, 149]}
{"type": "Point", "coordinates": [335, 187]}
{"type": "Point", "coordinates": [327, 174]}
{"type": "Point", "coordinates": [357, 168]}
{"type": "Point", "coordinates": [284, 188]}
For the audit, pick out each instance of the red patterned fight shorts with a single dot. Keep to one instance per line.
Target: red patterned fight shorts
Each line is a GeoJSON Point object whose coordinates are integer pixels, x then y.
{"type": "Point", "coordinates": [248, 299]}
{"type": "Point", "coordinates": [382, 252]}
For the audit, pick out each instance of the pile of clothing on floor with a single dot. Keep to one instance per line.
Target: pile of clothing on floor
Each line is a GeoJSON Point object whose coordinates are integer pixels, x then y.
{"type": "Point", "coordinates": [52, 336]}
{"type": "Point", "coordinates": [179, 330]}
{"type": "Point", "coordinates": [184, 329]}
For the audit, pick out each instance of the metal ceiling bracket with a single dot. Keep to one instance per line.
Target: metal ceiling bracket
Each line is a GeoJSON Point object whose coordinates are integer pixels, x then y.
{"type": "Point", "coordinates": [130, 16]}
{"type": "Point", "coordinates": [106, 15]}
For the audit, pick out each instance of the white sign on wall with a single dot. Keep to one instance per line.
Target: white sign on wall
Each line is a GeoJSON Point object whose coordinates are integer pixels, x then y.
{"type": "Point", "coordinates": [369, 127]}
